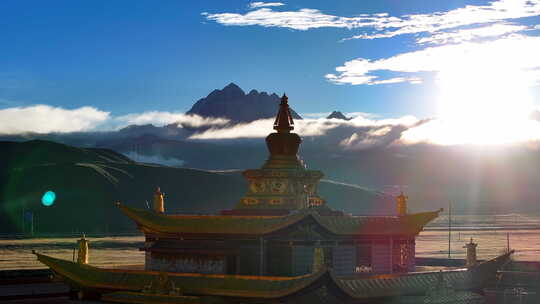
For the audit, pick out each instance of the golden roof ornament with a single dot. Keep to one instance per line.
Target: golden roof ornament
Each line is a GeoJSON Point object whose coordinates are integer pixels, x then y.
{"type": "Point", "coordinates": [83, 253]}
{"type": "Point", "coordinates": [159, 201]}
{"type": "Point", "coordinates": [402, 204]}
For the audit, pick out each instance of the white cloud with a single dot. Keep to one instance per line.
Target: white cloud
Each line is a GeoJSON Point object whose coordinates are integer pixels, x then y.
{"type": "Point", "coordinates": [438, 21]}
{"type": "Point", "coordinates": [365, 131]}
{"type": "Point", "coordinates": [494, 30]}
{"type": "Point", "coordinates": [374, 137]}
{"type": "Point", "coordinates": [357, 143]}
{"type": "Point", "coordinates": [516, 51]}
{"type": "Point", "coordinates": [254, 5]}
{"type": "Point", "coordinates": [411, 80]}
{"type": "Point", "coordinates": [303, 19]}
{"type": "Point", "coordinates": [315, 115]}
{"type": "Point", "coordinates": [442, 132]}
{"type": "Point", "coordinates": [304, 127]}
{"type": "Point", "coordinates": [348, 114]}
{"type": "Point", "coordinates": [349, 140]}
{"type": "Point", "coordinates": [361, 121]}
{"type": "Point", "coordinates": [47, 119]}
{"type": "Point", "coordinates": [254, 129]}
{"type": "Point", "coordinates": [381, 25]}
{"type": "Point", "coordinates": [363, 114]}
{"type": "Point", "coordinates": [452, 26]}
{"type": "Point", "coordinates": [380, 131]}
{"type": "Point", "coordinates": [155, 159]}
{"type": "Point", "coordinates": [164, 118]}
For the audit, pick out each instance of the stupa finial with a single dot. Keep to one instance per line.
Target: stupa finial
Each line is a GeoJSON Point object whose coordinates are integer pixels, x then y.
{"type": "Point", "coordinates": [284, 122]}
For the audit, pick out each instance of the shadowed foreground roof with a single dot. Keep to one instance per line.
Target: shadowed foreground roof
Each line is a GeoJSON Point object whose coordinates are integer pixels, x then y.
{"type": "Point", "coordinates": [261, 287]}
{"type": "Point", "coordinates": [190, 283]}
{"type": "Point", "coordinates": [148, 220]}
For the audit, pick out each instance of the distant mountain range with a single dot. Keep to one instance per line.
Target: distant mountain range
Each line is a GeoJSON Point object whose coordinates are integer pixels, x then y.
{"type": "Point", "coordinates": [476, 179]}
{"type": "Point", "coordinates": [88, 181]}
{"type": "Point", "coordinates": [233, 103]}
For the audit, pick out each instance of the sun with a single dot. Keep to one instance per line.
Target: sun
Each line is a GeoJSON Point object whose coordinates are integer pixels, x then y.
{"type": "Point", "coordinates": [483, 101]}
{"type": "Point", "coordinates": [484, 95]}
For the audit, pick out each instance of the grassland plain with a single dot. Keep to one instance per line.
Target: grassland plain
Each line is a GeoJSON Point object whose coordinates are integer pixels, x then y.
{"type": "Point", "coordinates": [489, 231]}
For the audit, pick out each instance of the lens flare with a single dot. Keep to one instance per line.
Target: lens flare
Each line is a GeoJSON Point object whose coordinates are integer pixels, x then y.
{"type": "Point", "coordinates": [48, 198]}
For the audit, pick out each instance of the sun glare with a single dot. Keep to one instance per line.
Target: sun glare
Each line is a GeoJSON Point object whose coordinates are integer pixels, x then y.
{"type": "Point", "coordinates": [483, 101]}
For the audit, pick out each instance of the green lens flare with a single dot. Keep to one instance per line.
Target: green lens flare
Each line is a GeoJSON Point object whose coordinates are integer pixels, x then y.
{"type": "Point", "coordinates": [48, 198]}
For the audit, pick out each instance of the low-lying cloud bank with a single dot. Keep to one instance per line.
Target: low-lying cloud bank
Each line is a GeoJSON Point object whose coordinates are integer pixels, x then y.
{"type": "Point", "coordinates": [43, 119]}
{"type": "Point", "coordinates": [444, 133]}
{"type": "Point", "coordinates": [305, 127]}
{"type": "Point", "coordinates": [48, 119]}
{"type": "Point", "coordinates": [155, 159]}
{"type": "Point", "coordinates": [359, 133]}
{"type": "Point", "coordinates": [363, 132]}
{"type": "Point", "coordinates": [165, 118]}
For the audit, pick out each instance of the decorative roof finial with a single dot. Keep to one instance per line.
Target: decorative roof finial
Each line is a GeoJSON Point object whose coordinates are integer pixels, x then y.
{"type": "Point", "coordinates": [402, 204]}
{"type": "Point", "coordinates": [159, 201]}
{"type": "Point", "coordinates": [284, 122]}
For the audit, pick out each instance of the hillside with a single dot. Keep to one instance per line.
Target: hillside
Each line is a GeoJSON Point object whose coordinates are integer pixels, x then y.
{"type": "Point", "coordinates": [33, 152]}
{"type": "Point", "coordinates": [88, 181]}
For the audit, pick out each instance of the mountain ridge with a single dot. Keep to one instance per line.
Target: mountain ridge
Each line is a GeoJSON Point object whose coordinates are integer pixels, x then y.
{"type": "Point", "coordinates": [233, 103]}
{"type": "Point", "coordinates": [338, 115]}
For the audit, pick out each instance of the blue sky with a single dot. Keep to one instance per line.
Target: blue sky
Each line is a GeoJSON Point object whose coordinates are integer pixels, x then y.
{"type": "Point", "coordinates": [125, 57]}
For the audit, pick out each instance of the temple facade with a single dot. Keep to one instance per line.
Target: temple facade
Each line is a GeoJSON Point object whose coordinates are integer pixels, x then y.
{"type": "Point", "coordinates": [281, 227]}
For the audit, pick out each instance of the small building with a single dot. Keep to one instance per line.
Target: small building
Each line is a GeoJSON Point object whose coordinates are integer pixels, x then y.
{"type": "Point", "coordinates": [281, 227]}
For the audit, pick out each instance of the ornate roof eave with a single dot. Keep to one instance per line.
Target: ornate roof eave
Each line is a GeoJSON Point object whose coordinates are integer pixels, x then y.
{"type": "Point", "coordinates": [240, 286]}
{"type": "Point", "coordinates": [410, 224]}
{"type": "Point", "coordinates": [415, 283]}
{"type": "Point", "coordinates": [152, 222]}
{"type": "Point", "coordinates": [254, 226]}
{"type": "Point", "coordinates": [94, 278]}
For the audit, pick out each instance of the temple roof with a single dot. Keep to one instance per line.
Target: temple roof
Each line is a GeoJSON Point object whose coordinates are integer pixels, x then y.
{"type": "Point", "coordinates": [190, 283]}
{"type": "Point", "coordinates": [265, 287]}
{"type": "Point", "coordinates": [149, 221]}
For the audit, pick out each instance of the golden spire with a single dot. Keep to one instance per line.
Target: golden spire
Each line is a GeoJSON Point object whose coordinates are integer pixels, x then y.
{"type": "Point", "coordinates": [159, 202]}
{"type": "Point", "coordinates": [284, 122]}
{"type": "Point", "coordinates": [82, 256]}
{"type": "Point", "coordinates": [402, 204]}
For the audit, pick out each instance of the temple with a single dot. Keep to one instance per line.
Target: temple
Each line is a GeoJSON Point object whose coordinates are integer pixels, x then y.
{"type": "Point", "coordinates": [280, 244]}
{"type": "Point", "coordinates": [281, 227]}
